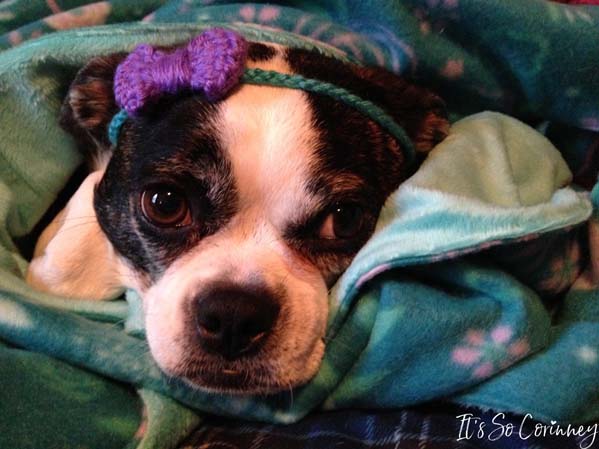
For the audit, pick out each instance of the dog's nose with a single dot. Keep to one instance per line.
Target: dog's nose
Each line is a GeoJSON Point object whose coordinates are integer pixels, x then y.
{"type": "Point", "coordinates": [233, 322]}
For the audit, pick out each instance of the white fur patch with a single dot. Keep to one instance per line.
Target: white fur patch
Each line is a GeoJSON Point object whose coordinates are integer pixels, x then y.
{"type": "Point", "coordinates": [73, 257]}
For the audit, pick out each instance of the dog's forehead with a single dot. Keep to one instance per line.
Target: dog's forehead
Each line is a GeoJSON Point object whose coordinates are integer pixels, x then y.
{"type": "Point", "coordinates": [269, 137]}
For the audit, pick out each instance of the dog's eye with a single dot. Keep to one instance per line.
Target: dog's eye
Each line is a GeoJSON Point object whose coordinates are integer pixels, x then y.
{"type": "Point", "coordinates": [165, 206]}
{"type": "Point", "coordinates": [344, 221]}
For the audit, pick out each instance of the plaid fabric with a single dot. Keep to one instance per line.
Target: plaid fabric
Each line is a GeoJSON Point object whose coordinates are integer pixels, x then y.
{"type": "Point", "coordinates": [427, 427]}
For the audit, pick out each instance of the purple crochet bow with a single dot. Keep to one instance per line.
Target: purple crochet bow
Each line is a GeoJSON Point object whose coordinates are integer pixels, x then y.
{"type": "Point", "coordinates": [212, 62]}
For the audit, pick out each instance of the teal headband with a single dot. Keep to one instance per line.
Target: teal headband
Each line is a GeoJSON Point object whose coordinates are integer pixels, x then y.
{"type": "Point", "coordinates": [271, 78]}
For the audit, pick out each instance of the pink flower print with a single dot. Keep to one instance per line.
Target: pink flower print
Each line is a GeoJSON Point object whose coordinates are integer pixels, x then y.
{"type": "Point", "coordinates": [501, 334]}
{"type": "Point", "coordinates": [483, 370]}
{"type": "Point", "coordinates": [247, 13]}
{"type": "Point", "coordinates": [466, 356]}
{"type": "Point", "coordinates": [269, 13]}
{"type": "Point", "coordinates": [15, 38]}
{"type": "Point", "coordinates": [92, 14]}
{"type": "Point", "coordinates": [519, 349]}
{"type": "Point", "coordinates": [454, 68]}
{"type": "Point", "coordinates": [488, 352]}
{"type": "Point", "coordinates": [475, 337]}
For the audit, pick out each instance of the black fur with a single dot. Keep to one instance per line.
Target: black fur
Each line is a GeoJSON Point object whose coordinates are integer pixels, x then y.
{"type": "Point", "coordinates": [418, 110]}
{"type": "Point", "coordinates": [260, 52]}
{"type": "Point", "coordinates": [173, 144]}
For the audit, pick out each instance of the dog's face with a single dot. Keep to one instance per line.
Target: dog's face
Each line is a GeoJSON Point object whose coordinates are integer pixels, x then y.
{"type": "Point", "coordinates": [235, 218]}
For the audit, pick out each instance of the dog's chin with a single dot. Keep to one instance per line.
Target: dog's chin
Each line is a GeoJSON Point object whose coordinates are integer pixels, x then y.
{"type": "Point", "coordinates": [247, 377]}
{"type": "Point", "coordinates": [228, 381]}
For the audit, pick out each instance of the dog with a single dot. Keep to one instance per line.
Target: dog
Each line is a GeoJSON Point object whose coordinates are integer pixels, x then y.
{"type": "Point", "coordinates": [234, 218]}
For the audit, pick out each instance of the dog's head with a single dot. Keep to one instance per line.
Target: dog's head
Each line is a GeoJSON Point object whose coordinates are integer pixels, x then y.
{"type": "Point", "coordinates": [235, 217]}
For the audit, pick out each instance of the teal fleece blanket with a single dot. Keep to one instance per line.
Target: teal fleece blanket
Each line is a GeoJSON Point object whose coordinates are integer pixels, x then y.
{"type": "Point", "coordinates": [427, 310]}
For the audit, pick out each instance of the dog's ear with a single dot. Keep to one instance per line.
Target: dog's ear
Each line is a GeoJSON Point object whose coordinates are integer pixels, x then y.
{"type": "Point", "coordinates": [418, 110]}
{"type": "Point", "coordinates": [90, 105]}
{"type": "Point", "coordinates": [73, 257]}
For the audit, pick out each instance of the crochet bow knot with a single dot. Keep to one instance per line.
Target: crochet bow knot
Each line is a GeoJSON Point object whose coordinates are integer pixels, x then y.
{"type": "Point", "coordinates": [212, 63]}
